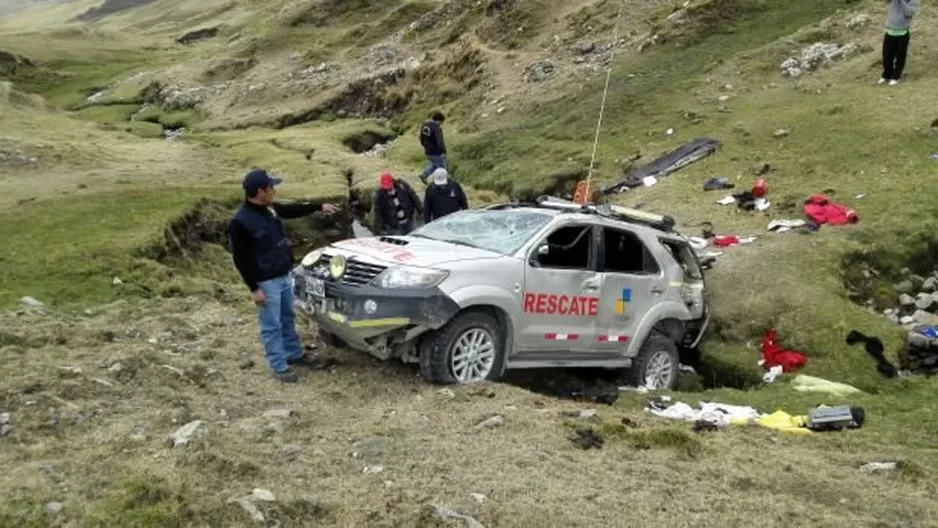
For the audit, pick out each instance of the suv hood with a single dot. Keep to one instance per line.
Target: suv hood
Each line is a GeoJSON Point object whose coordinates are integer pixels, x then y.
{"type": "Point", "coordinates": [410, 250]}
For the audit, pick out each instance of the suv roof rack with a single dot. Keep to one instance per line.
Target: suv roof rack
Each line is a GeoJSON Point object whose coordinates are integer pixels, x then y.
{"type": "Point", "coordinates": [615, 212]}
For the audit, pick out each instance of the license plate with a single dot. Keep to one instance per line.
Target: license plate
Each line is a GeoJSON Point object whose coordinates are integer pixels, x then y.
{"type": "Point", "coordinates": [316, 288]}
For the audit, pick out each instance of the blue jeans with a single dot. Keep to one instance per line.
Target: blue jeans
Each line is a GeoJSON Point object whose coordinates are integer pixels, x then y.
{"type": "Point", "coordinates": [277, 323]}
{"type": "Point", "coordinates": [435, 163]}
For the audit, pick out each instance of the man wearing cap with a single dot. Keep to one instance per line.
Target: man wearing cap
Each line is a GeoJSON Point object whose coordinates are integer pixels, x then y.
{"type": "Point", "coordinates": [444, 196]}
{"type": "Point", "coordinates": [264, 258]}
{"type": "Point", "coordinates": [395, 206]}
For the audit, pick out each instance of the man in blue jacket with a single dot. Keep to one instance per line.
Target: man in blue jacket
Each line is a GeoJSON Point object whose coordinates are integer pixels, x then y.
{"type": "Point", "coordinates": [264, 258]}
{"type": "Point", "coordinates": [431, 138]}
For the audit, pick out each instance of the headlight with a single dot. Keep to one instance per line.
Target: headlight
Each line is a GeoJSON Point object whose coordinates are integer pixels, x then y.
{"type": "Point", "coordinates": [311, 258]}
{"type": "Point", "coordinates": [410, 277]}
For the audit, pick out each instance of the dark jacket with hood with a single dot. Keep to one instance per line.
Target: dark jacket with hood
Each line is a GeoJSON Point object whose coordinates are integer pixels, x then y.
{"type": "Point", "coordinates": [441, 200]}
{"type": "Point", "coordinates": [386, 212]}
{"type": "Point", "coordinates": [431, 137]}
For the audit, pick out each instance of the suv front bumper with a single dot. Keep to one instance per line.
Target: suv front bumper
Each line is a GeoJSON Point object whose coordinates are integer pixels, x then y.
{"type": "Point", "coordinates": [356, 314]}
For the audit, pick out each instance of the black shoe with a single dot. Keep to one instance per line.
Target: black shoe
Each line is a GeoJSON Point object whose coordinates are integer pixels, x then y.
{"type": "Point", "coordinates": [313, 362]}
{"type": "Point", "coordinates": [286, 376]}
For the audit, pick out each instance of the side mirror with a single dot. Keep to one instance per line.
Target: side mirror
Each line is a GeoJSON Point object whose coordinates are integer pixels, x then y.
{"type": "Point", "coordinates": [543, 249]}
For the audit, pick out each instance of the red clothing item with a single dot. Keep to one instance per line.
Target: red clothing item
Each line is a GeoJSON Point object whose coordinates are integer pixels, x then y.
{"type": "Point", "coordinates": [774, 355]}
{"type": "Point", "coordinates": [725, 240]}
{"type": "Point", "coordinates": [823, 211]}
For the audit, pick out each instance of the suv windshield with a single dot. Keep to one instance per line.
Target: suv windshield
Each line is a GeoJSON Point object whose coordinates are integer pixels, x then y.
{"type": "Point", "coordinates": [499, 231]}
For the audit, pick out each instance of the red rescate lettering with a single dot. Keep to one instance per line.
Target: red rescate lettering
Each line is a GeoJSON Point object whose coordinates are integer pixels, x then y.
{"type": "Point", "coordinates": [563, 305]}
{"type": "Point", "coordinates": [594, 306]}
{"type": "Point", "coordinates": [575, 306]}
{"type": "Point", "coordinates": [529, 299]}
{"type": "Point", "coordinates": [541, 301]}
{"type": "Point", "coordinates": [552, 304]}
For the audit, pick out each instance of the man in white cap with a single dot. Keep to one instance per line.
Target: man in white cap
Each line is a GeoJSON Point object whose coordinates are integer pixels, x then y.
{"type": "Point", "coordinates": [443, 196]}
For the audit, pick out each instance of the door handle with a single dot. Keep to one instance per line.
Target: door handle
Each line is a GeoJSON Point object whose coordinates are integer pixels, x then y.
{"type": "Point", "coordinates": [657, 289]}
{"type": "Point", "coordinates": [590, 285]}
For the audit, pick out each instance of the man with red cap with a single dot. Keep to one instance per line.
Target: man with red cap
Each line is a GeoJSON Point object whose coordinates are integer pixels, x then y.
{"type": "Point", "coordinates": [395, 205]}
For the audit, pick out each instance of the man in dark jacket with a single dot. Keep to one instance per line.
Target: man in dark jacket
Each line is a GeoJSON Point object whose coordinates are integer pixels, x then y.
{"type": "Point", "coordinates": [395, 206]}
{"type": "Point", "coordinates": [264, 258]}
{"type": "Point", "coordinates": [431, 138]}
{"type": "Point", "coordinates": [443, 196]}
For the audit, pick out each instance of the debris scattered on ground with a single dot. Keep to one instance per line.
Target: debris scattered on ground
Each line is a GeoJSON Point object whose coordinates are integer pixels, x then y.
{"type": "Point", "coordinates": [538, 71]}
{"type": "Point", "coordinates": [717, 183]}
{"type": "Point", "coordinates": [781, 133]}
{"type": "Point", "coordinates": [772, 374]}
{"type": "Point", "coordinates": [490, 423]}
{"type": "Point", "coordinates": [804, 383]}
{"type": "Point", "coordinates": [922, 350]}
{"type": "Point", "coordinates": [372, 470]}
{"type": "Point", "coordinates": [822, 211]}
{"type": "Point", "coordinates": [675, 160]}
{"type": "Point", "coordinates": [880, 467]}
{"type": "Point", "coordinates": [732, 240]}
{"type": "Point", "coordinates": [478, 497]}
{"type": "Point", "coordinates": [781, 226]}
{"type": "Point", "coordinates": [774, 355]}
{"type": "Point", "coordinates": [874, 347]}
{"type": "Point", "coordinates": [587, 439]}
{"type": "Point", "coordinates": [857, 21]}
{"type": "Point", "coordinates": [446, 514]}
{"type": "Point", "coordinates": [718, 414]}
{"type": "Point", "coordinates": [816, 56]}
{"type": "Point", "coordinates": [186, 433]}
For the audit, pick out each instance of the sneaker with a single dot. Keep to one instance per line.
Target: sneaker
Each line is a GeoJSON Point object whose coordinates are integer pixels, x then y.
{"type": "Point", "coordinates": [313, 362]}
{"type": "Point", "coordinates": [286, 376]}
{"type": "Point", "coordinates": [893, 82]}
{"type": "Point", "coordinates": [882, 80]}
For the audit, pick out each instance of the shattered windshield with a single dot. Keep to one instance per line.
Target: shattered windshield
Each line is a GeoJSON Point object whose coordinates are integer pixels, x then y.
{"type": "Point", "coordinates": [499, 231]}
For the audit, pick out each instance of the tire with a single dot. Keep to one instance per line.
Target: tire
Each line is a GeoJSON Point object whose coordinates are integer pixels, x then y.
{"type": "Point", "coordinates": [438, 350]}
{"type": "Point", "coordinates": [656, 352]}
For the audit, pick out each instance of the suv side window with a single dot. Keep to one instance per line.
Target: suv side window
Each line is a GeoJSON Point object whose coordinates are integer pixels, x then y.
{"type": "Point", "coordinates": [686, 257]}
{"type": "Point", "coordinates": [570, 247]}
{"type": "Point", "coordinates": [624, 252]}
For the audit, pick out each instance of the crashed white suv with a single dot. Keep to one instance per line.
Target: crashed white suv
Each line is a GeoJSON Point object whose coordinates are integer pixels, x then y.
{"type": "Point", "coordinates": [551, 284]}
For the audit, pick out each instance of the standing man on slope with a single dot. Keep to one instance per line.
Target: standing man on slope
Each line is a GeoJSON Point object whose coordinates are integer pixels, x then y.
{"type": "Point", "coordinates": [899, 15]}
{"type": "Point", "coordinates": [264, 258]}
{"type": "Point", "coordinates": [395, 206]}
{"type": "Point", "coordinates": [431, 138]}
{"type": "Point", "coordinates": [444, 196]}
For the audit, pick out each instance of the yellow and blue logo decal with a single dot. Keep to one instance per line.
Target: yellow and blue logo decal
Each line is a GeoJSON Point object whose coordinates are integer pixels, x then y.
{"type": "Point", "coordinates": [623, 300]}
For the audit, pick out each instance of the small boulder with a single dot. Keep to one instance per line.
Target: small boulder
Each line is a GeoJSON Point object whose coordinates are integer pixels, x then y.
{"type": "Point", "coordinates": [905, 286]}
{"type": "Point", "coordinates": [5, 418]}
{"type": "Point", "coordinates": [185, 434]}
{"type": "Point", "coordinates": [858, 21]}
{"type": "Point", "coordinates": [930, 285]}
{"type": "Point", "coordinates": [906, 300]}
{"type": "Point", "coordinates": [490, 423]}
{"type": "Point", "coordinates": [6, 429]}
{"type": "Point", "coordinates": [782, 132]}
{"type": "Point", "coordinates": [924, 303]}
{"type": "Point", "coordinates": [54, 507]}
{"type": "Point", "coordinates": [587, 47]}
{"type": "Point", "coordinates": [907, 320]}
{"type": "Point", "coordinates": [279, 413]}
{"type": "Point", "coordinates": [925, 318]}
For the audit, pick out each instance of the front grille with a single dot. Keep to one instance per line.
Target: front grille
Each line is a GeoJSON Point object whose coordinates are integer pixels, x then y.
{"type": "Point", "coordinates": [357, 273]}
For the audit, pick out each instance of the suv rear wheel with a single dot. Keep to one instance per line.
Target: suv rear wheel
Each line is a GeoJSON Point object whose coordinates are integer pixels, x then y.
{"type": "Point", "coordinates": [468, 349]}
{"type": "Point", "coordinates": [657, 365]}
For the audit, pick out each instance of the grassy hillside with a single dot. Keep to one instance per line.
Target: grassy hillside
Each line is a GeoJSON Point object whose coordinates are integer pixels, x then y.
{"type": "Point", "coordinates": [90, 186]}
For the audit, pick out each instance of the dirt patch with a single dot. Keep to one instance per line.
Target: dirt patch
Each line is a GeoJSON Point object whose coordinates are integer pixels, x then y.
{"type": "Point", "coordinates": [510, 23]}
{"type": "Point", "coordinates": [227, 70]}
{"type": "Point", "coordinates": [688, 25]}
{"type": "Point", "coordinates": [322, 13]}
{"type": "Point", "coordinates": [206, 222]}
{"type": "Point", "coordinates": [109, 7]}
{"type": "Point", "coordinates": [11, 64]}
{"type": "Point", "coordinates": [197, 35]}
{"type": "Point", "coordinates": [393, 94]}
{"type": "Point", "coordinates": [361, 142]}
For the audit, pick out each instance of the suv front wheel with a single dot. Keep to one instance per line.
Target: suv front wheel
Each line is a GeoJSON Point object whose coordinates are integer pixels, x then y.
{"type": "Point", "coordinates": [468, 349]}
{"type": "Point", "coordinates": [657, 365]}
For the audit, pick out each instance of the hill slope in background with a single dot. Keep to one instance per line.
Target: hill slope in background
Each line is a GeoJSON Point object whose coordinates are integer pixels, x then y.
{"type": "Point", "coordinates": [126, 127]}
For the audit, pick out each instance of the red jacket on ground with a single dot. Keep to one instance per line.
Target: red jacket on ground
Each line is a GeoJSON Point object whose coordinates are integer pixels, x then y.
{"type": "Point", "coordinates": [822, 211]}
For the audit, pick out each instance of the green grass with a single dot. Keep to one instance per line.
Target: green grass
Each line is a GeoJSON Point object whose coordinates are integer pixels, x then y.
{"type": "Point", "coordinates": [49, 259]}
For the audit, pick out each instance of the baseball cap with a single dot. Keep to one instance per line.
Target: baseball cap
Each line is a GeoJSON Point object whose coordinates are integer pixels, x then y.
{"type": "Point", "coordinates": [259, 179]}
{"type": "Point", "coordinates": [387, 180]}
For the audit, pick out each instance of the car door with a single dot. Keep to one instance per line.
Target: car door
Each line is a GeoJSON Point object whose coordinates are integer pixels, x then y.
{"type": "Point", "coordinates": [633, 282]}
{"type": "Point", "coordinates": [561, 291]}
